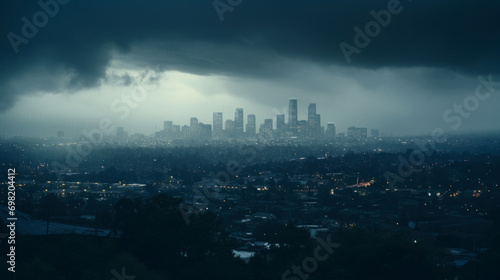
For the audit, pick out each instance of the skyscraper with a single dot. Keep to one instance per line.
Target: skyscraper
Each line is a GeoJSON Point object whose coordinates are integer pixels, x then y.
{"type": "Point", "coordinates": [238, 122]}
{"type": "Point", "coordinates": [193, 122]}
{"type": "Point", "coordinates": [217, 123]}
{"type": "Point", "coordinates": [319, 131]}
{"type": "Point", "coordinates": [311, 116]}
{"type": "Point", "coordinates": [176, 131]}
{"type": "Point", "coordinates": [193, 128]}
{"type": "Point", "coordinates": [268, 123]}
{"type": "Point", "coordinates": [205, 131]}
{"type": "Point", "coordinates": [167, 129]}
{"type": "Point", "coordinates": [167, 126]}
{"type": "Point", "coordinates": [301, 127]}
{"type": "Point", "coordinates": [185, 131]}
{"type": "Point", "coordinates": [280, 123]}
{"type": "Point", "coordinates": [330, 130]}
{"type": "Point", "coordinates": [292, 114]}
{"type": "Point", "coordinates": [357, 132]}
{"type": "Point", "coordinates": [312, 120]}
{"type": "Point", "coordinates": [121, 133]}
{"type": "Point", "coordinates": [266, 129]}
{"type": "Point", "coordinates": [229, 128]}
{"type": "Point", "coordinates": [251, 125]}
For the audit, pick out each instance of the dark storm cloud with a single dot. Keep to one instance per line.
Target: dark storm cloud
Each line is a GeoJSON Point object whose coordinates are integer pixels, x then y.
{"type": "Point", "coordinates": [73, 50]}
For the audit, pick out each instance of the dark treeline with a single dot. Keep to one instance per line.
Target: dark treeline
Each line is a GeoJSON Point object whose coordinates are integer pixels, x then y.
{"type": "Point", "coordinates": [157, 244]}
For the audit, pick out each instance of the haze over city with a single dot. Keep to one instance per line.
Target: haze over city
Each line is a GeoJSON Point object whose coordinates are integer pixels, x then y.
{"type": "Point", "coordinates": [249, 139]}
{"type": "Point", "coordinates": [198, 60]}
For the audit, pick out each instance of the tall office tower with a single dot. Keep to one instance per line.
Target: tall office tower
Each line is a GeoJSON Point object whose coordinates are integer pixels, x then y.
{"type": "Point", "coordinates": [238, 122]}
{"type": "Point", "coordinates": [357, 132]}
{"type": "Point", "coordinates": [292, 114]}
{"type": "Point", "coordinates": [193, 123]}
{"type": "Point", "coordinates": [330, 130]}
{"type": "Point", "coordinates": [217, 122]}
{"type": "Point", "coordinates": [362, 132]}
{"type": "Point", "coordinates": [268, 123]}
{"type": "Point", "coordinates": [280, 123]}
{"type": "Point", "coordinates": [251, 125]}
{"type": "Point", "coordinates": [176, 131]}
{"type": "Point", "coordinates": [319, 131]}
{"type": "Point", "coordinates": [194, 130]}
{"type": "Point", "coordinates": [229, 128]}
{"type": "Point", "coordinates": [374, 133]}
{"type": "Point", "coordinates": [205, 131]}
{"type": "Point", "coordinates": [301, 127]}
{"type": "Point", "coordinates": [185, 131]}
{"type": "Point", "coordinates": [311, 119]}
{"type": "Point", "coordinates": [121, 133]}
{"type": "Point", "coordinates": [167, 128]}
{"type": "Point", "coordinates": [266, 128]}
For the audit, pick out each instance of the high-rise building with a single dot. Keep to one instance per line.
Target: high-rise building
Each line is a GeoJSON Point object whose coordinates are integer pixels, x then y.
{"type": "Point", "coordinates": [313, 121]}
{"type": "Point", "coordinates": [167, 126]}
{"type": "Point", "coordinates": [217, 122]}
{"type": "Point", "coordinates": [267, 128]}
{"type": "Point", "coordinates": [280, 123]}
{"type": "Point", "coordinates": [319, 130]}
{"type": "Point", "coordinates": [374, 133]}
{"type": "Point", "coordinates": [268, 123]}
{"type": "Point", "coordinates": [193, 122]}
{"type": "Point", "coordinates": [330, 130]}
{"type": "Point", "coordinates": [251, 125]}
{"type": "Point", "coordinates": [121, 133]}
{"type": "Point", "coordinates": [194, 130]}
{"type": "Point", "coordinates": [311, 118]}
{"type": "Point", "coordinates": [229, 128]}
{"type": "Point", "coordinates": [185, 131]}
{"type": "Point", "coordinates": [176, 131]}
{"type": "Point", "coordinates": [292, 115]}
{"type": "Point", "coordinates": [357, 132]}
{"type": "Point", "coordinates": [238, 122]}
{"type": "Point", "coordinates": [301, 127]}
{"type": "Point", "coordinates": [205, 131]}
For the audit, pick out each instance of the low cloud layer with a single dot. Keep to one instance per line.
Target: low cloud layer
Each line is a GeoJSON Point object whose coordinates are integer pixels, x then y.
{"type": "Point", "coordinates": [77, 41]}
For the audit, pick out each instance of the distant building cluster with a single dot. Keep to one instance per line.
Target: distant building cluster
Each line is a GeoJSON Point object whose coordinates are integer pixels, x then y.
{"type": "Point", "coordinates": [236, 127]}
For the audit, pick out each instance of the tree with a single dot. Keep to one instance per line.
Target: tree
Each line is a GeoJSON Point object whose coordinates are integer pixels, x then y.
{"type": "Point", "coordinates": [50, 206]}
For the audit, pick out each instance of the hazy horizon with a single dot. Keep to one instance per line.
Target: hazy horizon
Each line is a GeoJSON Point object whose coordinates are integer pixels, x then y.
{"type": "Point", "coordinates": [192, 60]}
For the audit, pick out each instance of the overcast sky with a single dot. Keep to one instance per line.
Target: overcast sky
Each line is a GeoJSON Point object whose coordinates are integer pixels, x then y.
{"type": "Point", "coordinates": [66, 65]}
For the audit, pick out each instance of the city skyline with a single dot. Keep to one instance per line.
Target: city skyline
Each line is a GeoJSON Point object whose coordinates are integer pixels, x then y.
{"type": "Point", "coordinates": [237, 139]}
{"type": "Point", "coordinates": [184, 60]}
{"type": "Point", "coordinates": [307, 115]}
{"type": "Point", "coordinates": [221, 128]}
